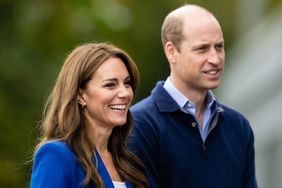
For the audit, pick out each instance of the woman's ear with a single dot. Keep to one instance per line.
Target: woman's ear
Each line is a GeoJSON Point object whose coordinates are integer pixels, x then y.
{"type": "Point", "coordinates": [81, 98]}
{"type": "Point", "coordinates": [170, 52]}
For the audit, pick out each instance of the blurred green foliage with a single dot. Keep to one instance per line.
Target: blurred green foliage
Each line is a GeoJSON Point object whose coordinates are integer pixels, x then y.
{"type": "Point", "coordinates": [35, 37]}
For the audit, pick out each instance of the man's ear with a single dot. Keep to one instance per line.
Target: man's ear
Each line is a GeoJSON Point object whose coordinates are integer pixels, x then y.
{"type": "Point", "coordinates": [81, 97]}
{"type": "Point", "coordinates": [170, 51]}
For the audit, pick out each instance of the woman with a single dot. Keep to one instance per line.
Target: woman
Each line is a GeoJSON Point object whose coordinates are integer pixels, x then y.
{"type": "Point", "coordinates": [86, 122]}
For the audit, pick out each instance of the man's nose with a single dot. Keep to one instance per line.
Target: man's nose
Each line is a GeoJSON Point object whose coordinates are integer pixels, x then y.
{"type": "Point", "coordinates": [214, 57]}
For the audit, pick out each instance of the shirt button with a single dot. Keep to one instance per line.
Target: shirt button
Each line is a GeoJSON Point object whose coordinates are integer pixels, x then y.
{"type": "Point", "coordinates": [194, 124]}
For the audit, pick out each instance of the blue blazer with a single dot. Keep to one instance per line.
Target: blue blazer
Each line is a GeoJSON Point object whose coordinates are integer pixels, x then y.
{"type": "Point", "coordinates": [56, 166]}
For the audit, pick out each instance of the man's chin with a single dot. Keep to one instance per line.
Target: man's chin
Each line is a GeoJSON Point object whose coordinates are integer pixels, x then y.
{"type": "Point", "coordinates": [213, 86]}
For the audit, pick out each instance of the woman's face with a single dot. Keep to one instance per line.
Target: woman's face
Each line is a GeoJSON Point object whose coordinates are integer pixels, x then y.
{"type": "Point", "coordinates": [108, 95]}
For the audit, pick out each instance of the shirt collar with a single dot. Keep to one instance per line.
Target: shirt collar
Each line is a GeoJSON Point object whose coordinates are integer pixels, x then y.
{"type": "Point", "coordinates": [179, 98]}
{"type": "Point", "coordinates": [210, 99]}
{"type": "Point", "coordinates": [182, 100]}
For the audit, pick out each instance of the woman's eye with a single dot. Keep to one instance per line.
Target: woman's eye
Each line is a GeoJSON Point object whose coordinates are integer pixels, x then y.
{"type": "Point", "coordinates": [109, 85]}
{"type": "Point", "coordinates": [128, 83]}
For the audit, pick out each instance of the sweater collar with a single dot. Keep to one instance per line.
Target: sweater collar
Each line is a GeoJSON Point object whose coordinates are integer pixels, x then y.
{"type": "Point", "coordinates": [166, 103]}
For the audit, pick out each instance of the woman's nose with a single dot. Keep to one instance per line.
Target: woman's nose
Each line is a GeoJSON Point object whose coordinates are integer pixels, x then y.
{"type": "Point", "coordinates": [124, 91]}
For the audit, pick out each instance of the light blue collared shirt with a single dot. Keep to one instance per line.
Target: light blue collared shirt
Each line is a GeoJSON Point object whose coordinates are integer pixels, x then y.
{"type": "Point", "coordinates": [189, 107]}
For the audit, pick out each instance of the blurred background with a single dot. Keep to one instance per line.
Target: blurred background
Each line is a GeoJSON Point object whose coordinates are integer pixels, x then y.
{"type": "Point", "coordinates": [36, 36]}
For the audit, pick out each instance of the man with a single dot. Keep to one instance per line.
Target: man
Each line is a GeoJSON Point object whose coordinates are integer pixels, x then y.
{"type": "Point", "coordinates": [184, 136]}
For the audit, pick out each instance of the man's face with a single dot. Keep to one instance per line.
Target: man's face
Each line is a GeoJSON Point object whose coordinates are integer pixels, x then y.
{"type": "Point", "coordinates": [199, 63]}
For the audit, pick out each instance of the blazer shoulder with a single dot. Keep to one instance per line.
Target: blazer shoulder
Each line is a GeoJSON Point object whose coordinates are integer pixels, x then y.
{"type": "Point", "coordinates": [55, 152]}
{"type": "Point", "coordinates": [54, 166]}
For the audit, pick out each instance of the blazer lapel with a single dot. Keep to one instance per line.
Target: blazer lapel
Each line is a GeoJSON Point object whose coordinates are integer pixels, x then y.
{"type": "Point", "coordinates": [103, 172]}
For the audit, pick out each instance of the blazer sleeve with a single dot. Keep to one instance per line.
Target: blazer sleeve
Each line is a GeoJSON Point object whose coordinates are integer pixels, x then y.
{"type": "Point", "coordinates": [52, 166]}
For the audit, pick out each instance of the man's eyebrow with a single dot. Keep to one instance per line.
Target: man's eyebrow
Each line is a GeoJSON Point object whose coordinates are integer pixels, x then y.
{"type": "Point", "coordinates": [201, 45]}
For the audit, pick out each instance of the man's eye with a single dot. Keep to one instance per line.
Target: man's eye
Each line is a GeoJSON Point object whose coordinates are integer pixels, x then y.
{"type": "Point", "coordinates": [202, 48]}
{"type": "Point", "coordinates": [219, 46]}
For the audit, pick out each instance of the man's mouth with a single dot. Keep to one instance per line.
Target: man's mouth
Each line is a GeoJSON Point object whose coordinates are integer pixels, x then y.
{"type": "Point", "coordinates": [212, 72]}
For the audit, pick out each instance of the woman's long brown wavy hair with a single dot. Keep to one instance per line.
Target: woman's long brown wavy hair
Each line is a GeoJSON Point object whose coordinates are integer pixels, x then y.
{"type": "Point", "coordinates": [63, 118]}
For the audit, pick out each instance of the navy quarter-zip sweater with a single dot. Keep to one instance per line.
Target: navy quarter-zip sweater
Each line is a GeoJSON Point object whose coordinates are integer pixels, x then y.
{"type": "Point", "coordinates": [169, 144]}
